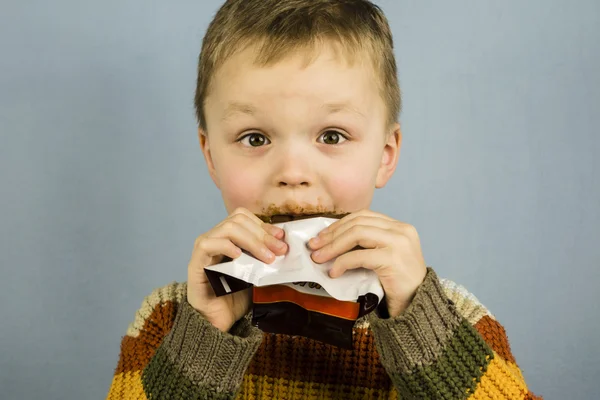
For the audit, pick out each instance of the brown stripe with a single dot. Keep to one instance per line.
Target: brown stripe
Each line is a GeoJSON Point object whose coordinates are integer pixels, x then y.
{"type": "Point", "coordinates": [495, 336]}
{"type": "Point", "coordinates": [305, 360]}
{"type": "Point", "coordinates": [136, 352]}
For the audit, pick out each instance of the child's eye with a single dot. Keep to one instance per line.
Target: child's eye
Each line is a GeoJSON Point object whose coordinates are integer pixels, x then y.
{"type": "Point", "coordinates": [254, 140]}
{"type": "Point", "coordinates": [332, 137]}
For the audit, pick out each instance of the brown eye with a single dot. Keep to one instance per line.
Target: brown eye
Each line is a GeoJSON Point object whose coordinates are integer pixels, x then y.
{"type": "Point", "coordinates": [332, 137]}
{"type": "Point", "coordinates": [254, 140]}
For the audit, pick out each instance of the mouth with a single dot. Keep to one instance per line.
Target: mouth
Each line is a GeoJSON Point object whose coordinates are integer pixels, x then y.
{"type": "Point", "coordinates": [294, 211]}
{"type": "Point", "coordinates": [278, 218]}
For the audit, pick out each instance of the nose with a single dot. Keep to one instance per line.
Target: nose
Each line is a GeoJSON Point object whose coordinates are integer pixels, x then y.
{"type": "Point", "coordinates": [293, 177]}
{"type": "Point", "coordinates": [294, 170]}
{"type": "Point", "coordinates": [293, 182]}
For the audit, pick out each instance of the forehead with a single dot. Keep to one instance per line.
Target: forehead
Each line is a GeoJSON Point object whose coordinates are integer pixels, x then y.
{"type": "Point", "coordinates": [321, 76]}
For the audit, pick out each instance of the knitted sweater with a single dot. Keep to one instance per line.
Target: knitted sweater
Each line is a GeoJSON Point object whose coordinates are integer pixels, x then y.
{"type": "Point", "coordinates": [445, 345]}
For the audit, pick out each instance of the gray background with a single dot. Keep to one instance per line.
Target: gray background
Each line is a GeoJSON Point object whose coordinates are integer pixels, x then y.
{"type": "Point", "coordinates": [104, 188]}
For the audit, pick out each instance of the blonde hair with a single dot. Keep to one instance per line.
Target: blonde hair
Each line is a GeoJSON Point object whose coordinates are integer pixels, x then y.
{"type": "Point", "coordinates": [280, 27]}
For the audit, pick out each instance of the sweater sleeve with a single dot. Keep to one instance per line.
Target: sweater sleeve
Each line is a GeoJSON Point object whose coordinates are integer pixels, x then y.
{"type": "Point", "coordinates": [444, 349]}
{"type": "Point", "coordinates": [171, 352]}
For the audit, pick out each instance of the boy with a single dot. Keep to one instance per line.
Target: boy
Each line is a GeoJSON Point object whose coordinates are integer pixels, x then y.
{"type": "Point", "coordinates": [297, 103]}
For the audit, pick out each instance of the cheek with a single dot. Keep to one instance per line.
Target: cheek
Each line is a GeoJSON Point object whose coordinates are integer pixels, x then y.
{"type": "Point", "coordinates": [353, 187]}
{"type": "Point", "coordinates": [239, 189]}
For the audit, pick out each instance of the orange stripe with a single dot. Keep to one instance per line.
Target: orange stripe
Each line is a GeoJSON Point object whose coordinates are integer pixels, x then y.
{"type": "Point", "coordinates": [324, 305]}
{"type": "Point", "coordinates": [495, 336]}
{"type": "Point", "coordinates": [136, 352]}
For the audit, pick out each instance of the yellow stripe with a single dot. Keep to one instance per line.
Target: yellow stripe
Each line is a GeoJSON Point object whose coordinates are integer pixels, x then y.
{"type": "Point", "coordinates": [502, 380]}
{"type": "Point", "coordinates": [127, 386]}
{"type": "Point", "coordinates": [287, 389]}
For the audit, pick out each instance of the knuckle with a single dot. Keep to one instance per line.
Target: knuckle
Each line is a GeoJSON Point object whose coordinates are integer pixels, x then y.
{"type": "Point", "coordinates": [259, 243]}
{"type": "Point", "coordinates": [229, 225]}
{"type": "Point", "coordinates": [239, 211]}
{"type": "Point", "coordinates": [410, 231]}
{"type": "Point", "coordinates": [361, 220]}
{"type": "Point", "coordinates": [198, 242]}
{"type": "Point", "coordinates": [355, 230]}
{"type": "Point", "coordinates": [332, 248]}
{"type": "Point", "coordinates": [404, 240]}
{"type": "Point", "coordinates": [239, 218]}
{"type": "Point", "coordinates": [201, 245]}
{"type": "Point", "coordinates": [266, 237]}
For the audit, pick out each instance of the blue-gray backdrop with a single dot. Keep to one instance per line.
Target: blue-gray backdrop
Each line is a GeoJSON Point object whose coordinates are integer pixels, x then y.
{"type": "Point", "coordinates": [104, 189]}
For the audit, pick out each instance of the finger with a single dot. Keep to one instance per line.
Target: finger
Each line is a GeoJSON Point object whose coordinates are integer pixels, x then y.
{"type": "Point", "coordinates": [350, 217]}
{"type": "Point", "coordinates": [220, 246]}
{"type": "Point", "coordinates": [246, 238]}
{"type": "Point", "coordinates": [279, 247]}
{"type": "Point", "coordinates": [256, 226]}
{"type": "Point", "coordinates": [272, 229]}
{"type": "Point", "coordinates": [373, 259]}
{"type": "Point", "coordinates": [246, 212]}
{"type": "Point", "coordinates": [209, 251]}
{"type": "Point", "coordinates": [358, 235]}
{"type": "Point", "coordinates": [213, 247]}
{"type": "Point", "coordinates": [325, 238]}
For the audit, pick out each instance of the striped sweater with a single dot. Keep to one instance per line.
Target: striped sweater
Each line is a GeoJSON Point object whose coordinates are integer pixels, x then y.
{"type": "Point", "coordinates": [445, 345]}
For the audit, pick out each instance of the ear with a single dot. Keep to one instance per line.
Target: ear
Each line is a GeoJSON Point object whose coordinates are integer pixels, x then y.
{"type": "Point", "coordinates": [205, 146]}
{"type": "Point", "coordinates": [389, 158]}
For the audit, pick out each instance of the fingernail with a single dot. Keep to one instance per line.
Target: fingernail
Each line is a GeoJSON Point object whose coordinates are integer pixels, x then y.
{"type": "Point", "coordinates": [280, 244]}
{"type": "Point", "coordinates": [315, 240]}
{"type": "Point", "coordinates": [316, 254]}
{"type": "Point", "coordinates": [267, 253]}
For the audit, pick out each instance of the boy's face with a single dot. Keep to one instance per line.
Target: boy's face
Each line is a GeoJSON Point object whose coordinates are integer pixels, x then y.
{"type": "Point", "coordinates": [292, 138]}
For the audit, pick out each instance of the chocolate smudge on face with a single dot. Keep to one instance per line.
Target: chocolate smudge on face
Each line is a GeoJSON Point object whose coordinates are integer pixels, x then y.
{"type": "Point", "coordinates": [278, 218]}
{"type": "Point", "coordinates": [274, 214]}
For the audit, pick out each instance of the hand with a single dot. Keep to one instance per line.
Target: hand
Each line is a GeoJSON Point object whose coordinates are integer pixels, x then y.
{"type": "Point", "coordinates": [240, 230]}
{"type": "Point", "coordinates": [390, 248]}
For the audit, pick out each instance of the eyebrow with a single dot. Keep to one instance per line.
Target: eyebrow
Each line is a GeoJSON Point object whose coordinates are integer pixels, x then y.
{"type": "Point", "coordinates": [249, 109]}
{"type": "Point", "coordinates": [342, 107]}
{"type": "Point", "coordinates": [236, 107]}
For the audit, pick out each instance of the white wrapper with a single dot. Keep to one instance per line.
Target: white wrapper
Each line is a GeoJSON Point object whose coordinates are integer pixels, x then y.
{"type": "Point", "coordinates": [297, 266]}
